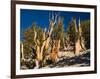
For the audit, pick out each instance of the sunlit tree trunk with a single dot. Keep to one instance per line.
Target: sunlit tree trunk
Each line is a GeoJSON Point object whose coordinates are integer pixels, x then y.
{"type": "Point", "coordinates": [55, 51]}
{"type": "Point", "coordinates": [22, 51]}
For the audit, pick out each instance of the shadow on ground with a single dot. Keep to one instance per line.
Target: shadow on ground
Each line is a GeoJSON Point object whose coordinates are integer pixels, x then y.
{"type": "Point", "coordinates": [77, 61]}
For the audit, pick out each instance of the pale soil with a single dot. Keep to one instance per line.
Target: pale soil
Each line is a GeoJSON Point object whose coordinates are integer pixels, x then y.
{"type": "Point", "coordinates": [66, 54]}
{"type": "Point", "coordinates": [69, 59]}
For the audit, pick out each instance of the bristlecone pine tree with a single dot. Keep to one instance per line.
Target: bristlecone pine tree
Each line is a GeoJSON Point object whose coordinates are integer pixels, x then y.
{"type": "Point", "coordinates": [72, 33]}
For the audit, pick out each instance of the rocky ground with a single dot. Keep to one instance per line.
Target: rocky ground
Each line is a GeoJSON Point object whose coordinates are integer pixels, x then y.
{"type": "Point", "coordinates": [66, 59]}
{"type": "Point", "coordinates": [69, 59]}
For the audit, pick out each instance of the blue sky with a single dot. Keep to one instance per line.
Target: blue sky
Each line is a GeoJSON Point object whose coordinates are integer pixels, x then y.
{"type": "Point", "coordinates": [41, 17]}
